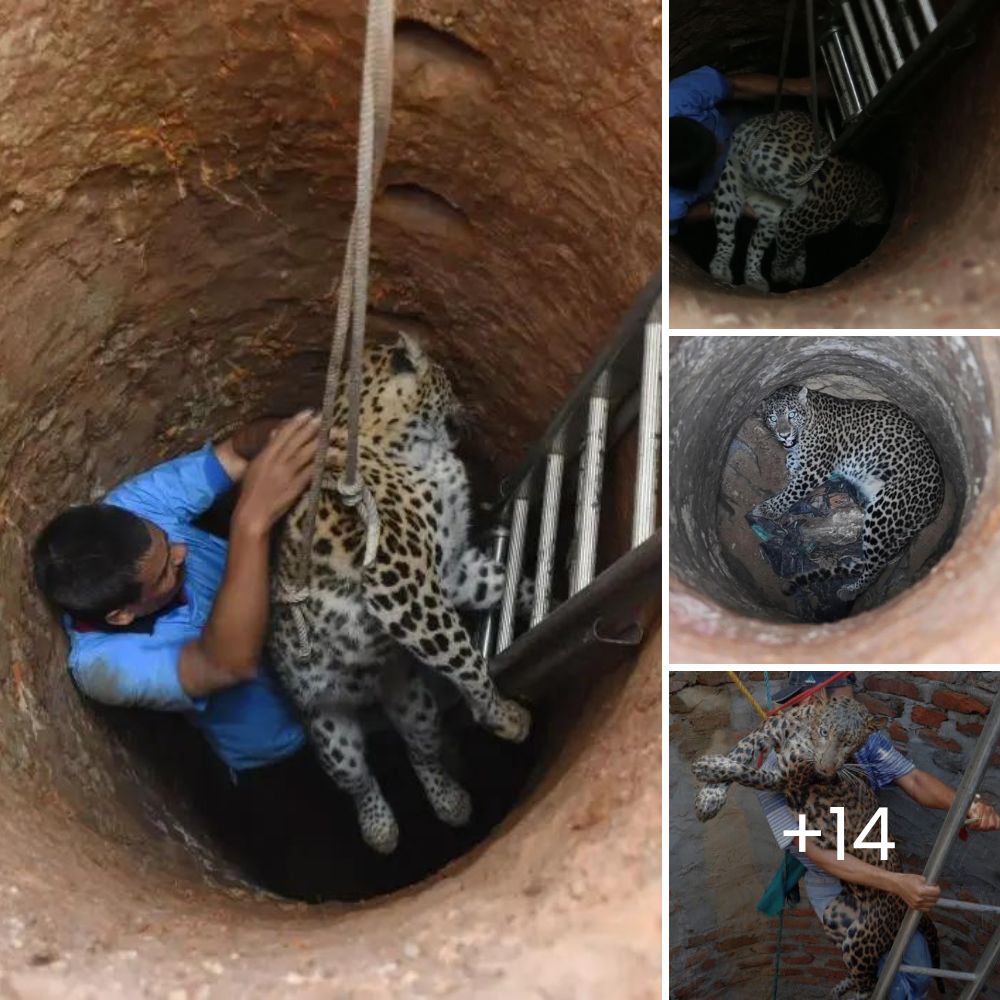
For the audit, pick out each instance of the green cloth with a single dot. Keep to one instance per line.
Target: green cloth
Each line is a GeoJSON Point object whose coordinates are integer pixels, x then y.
{"type": "Point", "coordinates": [783, 886]}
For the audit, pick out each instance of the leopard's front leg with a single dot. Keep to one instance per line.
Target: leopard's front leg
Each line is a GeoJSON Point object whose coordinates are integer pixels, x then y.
{"type": "Point", "coordinates": [710, 799]}
{"type": "Point", "coordinates": [716, 768]}
{"type": "Point", "coordinates": [800, 485]}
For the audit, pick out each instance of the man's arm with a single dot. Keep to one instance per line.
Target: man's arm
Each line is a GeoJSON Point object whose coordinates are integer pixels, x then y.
{"type": "Point", "coordinates": [228, 650]}
{"type": "Point", "coordinates": [929, 791]}
{"type": "Point", "coordinates": [914, 890]}
{"type": "Point", "coordinates": [753, 86]}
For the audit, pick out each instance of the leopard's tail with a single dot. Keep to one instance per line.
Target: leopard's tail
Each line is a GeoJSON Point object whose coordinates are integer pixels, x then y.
{"type": "Point", "coordinates": [929, 931]}
{"type": "Point", "coordinates": [849, 567]}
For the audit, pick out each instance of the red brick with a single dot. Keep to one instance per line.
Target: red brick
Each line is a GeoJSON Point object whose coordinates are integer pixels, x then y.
{"type": "Point", "coordinates": [898, 733]}
{"type": "Point", "coordinates": [879, 706]}
{"type": "Point", "coordinates": [955, 701]}
{"type": "Point", "coordinates": [939, 741]}
{"type": "Point", "coordinates": [928, 716]}
{"type": "Point", "coordinates": [737, 942]}
{"type": "Point", "coordinates": [969, 728]}
{"type": "Point", "coordinates": [714, 678]}
{"type": "Point", "coordinates": [797, 959]}
{"type": "Point", "coordinates": [933, 675]}
{"type": "Point", "coordinates": [892, 685]}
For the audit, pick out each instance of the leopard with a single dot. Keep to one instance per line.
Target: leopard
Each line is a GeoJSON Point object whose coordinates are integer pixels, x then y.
{"type": "Point", "coordinates": [879, 450]}
{"type": "Point", "coordinates": [815, 744]}
{"type": "Point", "coordinates": [378, 628]}
{"type": "Point", "coordinates": [770, 167]}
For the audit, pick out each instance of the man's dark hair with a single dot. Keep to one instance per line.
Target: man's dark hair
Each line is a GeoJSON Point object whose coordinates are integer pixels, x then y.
{"type": "Point", "coordinates": [86, 559]}
{"type": "Point", "coordinates": [692, 152]}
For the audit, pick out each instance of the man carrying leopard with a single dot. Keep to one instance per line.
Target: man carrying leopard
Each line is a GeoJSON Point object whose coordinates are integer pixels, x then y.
{"type": "Point", "coordinates": [825, 876]}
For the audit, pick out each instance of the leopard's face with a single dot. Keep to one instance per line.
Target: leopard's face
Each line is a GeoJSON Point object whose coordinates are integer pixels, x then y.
{"type": "Point", "coordinates": [786, 413]}
{"type": "Point", "coordinates": [402, 385]}
{"type": "Point", "coordinates": [838, 730]}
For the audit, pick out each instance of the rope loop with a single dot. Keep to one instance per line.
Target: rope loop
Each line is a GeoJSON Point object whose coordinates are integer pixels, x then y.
{"type": "Point", "coordinates": [357, 494]}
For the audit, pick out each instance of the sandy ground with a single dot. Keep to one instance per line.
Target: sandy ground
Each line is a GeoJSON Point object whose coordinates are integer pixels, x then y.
{"type": "Point", "coordinates": [755, 469]}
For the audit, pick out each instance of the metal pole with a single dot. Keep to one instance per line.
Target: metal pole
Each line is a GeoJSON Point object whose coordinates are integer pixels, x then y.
{"type": "Point", "coordinates": [644, 511]}
{"type": "Point", "coordinates": [518, 531]}
{"type": "Point", "coordinates": [851, 96]}
{"type": "Point", "coordinates": [987, 963]}
{"type": "Point", "coordinates": [928, 12]}
{"type": "Point", "coordinates": [945, 838]}
{"type": "Point", "coordinates": [839, 86]}
{"type": "Point", "coordinates": [624, 587]}
{"type": "Point", "coordinates": [866, 11]}
{"type": "Point", "coordinates": [488, 630]}
{"type": "Point", "coordinates": [785, 42]}
{"type": "Point", "coordinates": [547, 532]}
{"type": "Point", "coordinates": [911, 31]}
{"type": "Point", "coordinates": [859, 48]}
{"type": "Point", "coordinates": [890, 35]}
{"type": "Point", "coordinates": [588, 501]}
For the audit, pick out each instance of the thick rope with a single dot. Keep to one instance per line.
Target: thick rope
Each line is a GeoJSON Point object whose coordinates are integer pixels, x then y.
{"type": "Point", "coordinates": [745, 691]}
{"type": "Point", "coordinates": [785, 45]}
{"type": "Point", "coordinates": [352, 301]}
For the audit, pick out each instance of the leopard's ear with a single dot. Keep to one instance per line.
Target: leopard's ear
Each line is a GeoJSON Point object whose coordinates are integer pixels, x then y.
{"type": "Point", "coordinates": [803, 396]}
{"type": "Point", "coordinates": [873, 723]}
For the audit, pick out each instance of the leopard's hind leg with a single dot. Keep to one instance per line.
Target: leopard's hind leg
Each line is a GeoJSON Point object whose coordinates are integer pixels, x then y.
{"type": "Point", "coordinates": [413, 711]}
{"type": "Point", "coordinates": [339, 742]}
{"type": "Point", "coordinates": [768, 211]}
{"type": "Point", "coordinates": [729, 198]}
{"type": "Point", "coordinates": [415, 612]}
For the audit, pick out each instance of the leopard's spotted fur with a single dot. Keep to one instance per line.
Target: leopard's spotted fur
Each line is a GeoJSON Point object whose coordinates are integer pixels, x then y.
{"type": "Point", "coordinates": [368, 625]}
{"type": "Point", "coordinates": [769, 168]}
{"type": "Point", "coordinates": [814, 744]}
{"type": "Point", "coordinates": [872, 444]}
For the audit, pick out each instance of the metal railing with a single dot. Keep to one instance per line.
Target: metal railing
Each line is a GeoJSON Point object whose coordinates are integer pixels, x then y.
{"type": "Point", "coordinates": [875, 51]}
{"type": "Point", "coordinates": [935, 863]}
{"type": "Point", "coordinates": [620, 391]}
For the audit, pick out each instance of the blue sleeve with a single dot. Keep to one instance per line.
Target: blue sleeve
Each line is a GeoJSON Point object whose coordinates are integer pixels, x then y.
{"type": "Point", "coordinates": [133, 669]}
{"type": "Point", "coordinates": [700, 90]}
{"type": "Point", "coordinates": [178, 490]}
{"type": "Point", "coordinates": [680, 203]}
{"type": "Point", "coordinates": [882, 761]}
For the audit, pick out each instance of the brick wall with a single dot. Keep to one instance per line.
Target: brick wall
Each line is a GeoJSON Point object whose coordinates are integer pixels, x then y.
{"type": "Point", "coordinates": [726, 950]}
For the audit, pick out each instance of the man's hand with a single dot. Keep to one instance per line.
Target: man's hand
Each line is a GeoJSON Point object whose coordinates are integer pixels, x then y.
{"type": "Point", "coordinates": [915, 891]}
{"type": "Point", "coordinates": [982, 816]}
{"type": "Point", "coordinates": [282, 470]}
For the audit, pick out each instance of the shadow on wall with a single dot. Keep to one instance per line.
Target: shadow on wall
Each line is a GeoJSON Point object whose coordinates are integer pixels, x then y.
{"type": "Point", "coordinates": [720, 945]}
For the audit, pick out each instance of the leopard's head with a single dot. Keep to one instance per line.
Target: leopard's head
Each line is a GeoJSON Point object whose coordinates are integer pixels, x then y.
{"type": "Point", "coordinates": [839, 729]}
{"type": "Point", "coordinates": [404, 390]}
{"type": "Point", "coordinates": [786, 413]}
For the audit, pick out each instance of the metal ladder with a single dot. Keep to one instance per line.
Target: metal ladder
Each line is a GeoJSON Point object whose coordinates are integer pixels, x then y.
{"type": "Point", "coordinates": [932, 871]}
{"type": "Point", "coordinates": [621, 390]}
{"type": "Point", "coordinates": [876, 50]}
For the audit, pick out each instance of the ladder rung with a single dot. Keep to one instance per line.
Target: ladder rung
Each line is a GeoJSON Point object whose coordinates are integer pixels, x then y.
{"type": "Point", "coordinates": [928, 12]}
{"type": "Point", "coordinates": [890, 35]}
{"type": "Point", "coordinates": [911, 31]}
{"type": "Point", "coordinates": [859, 50]}
{"type": "Point", "coordinates": [515, 555]}
{"type": "Point", "coordinates": [488, 629]}
{"type": "Point", "coordinates": [644, 509]}
{"type": "Point", "coordinates": [588, 501]}
{"type": "Point", "coordinates": [547, 532]}
{"type": "Point", "coordinates": [920, 970]}
{"type": "Point", "coordinates": [961, 904]}
{"type": "Point", "coordinates": [883, 62]}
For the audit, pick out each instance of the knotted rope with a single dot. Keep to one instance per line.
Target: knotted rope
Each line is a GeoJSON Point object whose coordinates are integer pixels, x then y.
{"type": "Point", "coordinates": [352, 302]}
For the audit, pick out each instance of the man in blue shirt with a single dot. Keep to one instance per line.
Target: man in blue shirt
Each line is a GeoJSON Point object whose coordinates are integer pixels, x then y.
{"type": "Point", "coordinates": [160, 614]}
{"type": "Point", "coordinates": [884, 765]}
{"type": "Point", "coordinates": [702, 122]}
